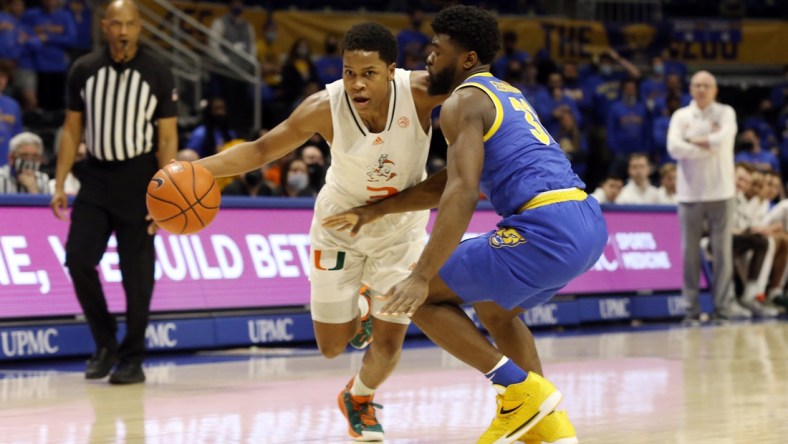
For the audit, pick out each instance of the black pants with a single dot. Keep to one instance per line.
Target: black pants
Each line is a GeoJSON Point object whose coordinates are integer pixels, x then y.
{"type": "Point", "coordinates": [112, 198]}
{"type": "Point", "coordinates": [758, 244]}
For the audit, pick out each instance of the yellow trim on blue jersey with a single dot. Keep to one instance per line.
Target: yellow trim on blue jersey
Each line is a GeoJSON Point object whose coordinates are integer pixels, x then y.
{"type": "Point", "coordinates": [498, 107]}
{"type": "Point", "coordinates": [551, 197]}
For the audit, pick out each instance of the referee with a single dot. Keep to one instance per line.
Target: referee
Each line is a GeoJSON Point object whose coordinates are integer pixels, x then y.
{"type": "Point", "coordinates": [122, 99]}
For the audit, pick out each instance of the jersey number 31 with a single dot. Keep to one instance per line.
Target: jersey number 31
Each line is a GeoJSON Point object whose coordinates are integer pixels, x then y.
{"type": "Point", "coordinates": [536, 128]}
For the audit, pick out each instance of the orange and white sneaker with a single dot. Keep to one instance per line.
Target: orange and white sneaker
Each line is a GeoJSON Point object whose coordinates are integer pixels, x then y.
{"type": "Point", "coordinates": [359, 411]}
{"type": "Point", "coordinates": [363, 336]}
{"type": "Point", "coordinates": [555, 428]}
{"type": "Point", "coordinates": [520, 407]}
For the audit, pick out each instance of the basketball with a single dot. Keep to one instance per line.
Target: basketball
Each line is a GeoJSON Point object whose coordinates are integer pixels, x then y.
{"type": "Point", "coordinates": [183, 198]}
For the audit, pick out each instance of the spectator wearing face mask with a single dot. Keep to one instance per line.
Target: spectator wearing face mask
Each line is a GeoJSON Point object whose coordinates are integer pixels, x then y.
{"type": "Point", "coordinates": [605, 84]}
{"type": "Point", "coordinates": [751, 151]}
{"type": "Point", "coordinates": [208, 138]}
{"type": "Point", "coordinates": [22, 175]}
{"type": "Point", "coordinates": [295, 180]}
{"type": "Point", "coordinates": [315, 165]}
{"type": "Point", "coordinates": [653, 89]}
{"type": "Point", "coordinates": [251, 184]}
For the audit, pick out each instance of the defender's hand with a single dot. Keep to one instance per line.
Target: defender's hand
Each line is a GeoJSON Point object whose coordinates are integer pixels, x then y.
{"type": "Point", "coordinates": [352, 220]}
{"type": "Point", "coordinates": [405, 297]}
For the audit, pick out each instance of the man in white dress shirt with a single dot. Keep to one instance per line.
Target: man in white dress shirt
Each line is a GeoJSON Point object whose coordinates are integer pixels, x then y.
{"type": "Point", "coordinates": [638, 190]}
{"type": "Point", "coordinates": [701, 138]}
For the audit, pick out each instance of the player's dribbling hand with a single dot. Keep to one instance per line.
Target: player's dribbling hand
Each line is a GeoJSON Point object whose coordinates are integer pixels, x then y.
{"type": "Point", "coordinates": [405, 297]}
{"type": "Point", "coordinates": [152, 227]}
{"type": "Point", "coordinates": [351, 220]}
{"type": "Point", "coordinates": [59, 205]}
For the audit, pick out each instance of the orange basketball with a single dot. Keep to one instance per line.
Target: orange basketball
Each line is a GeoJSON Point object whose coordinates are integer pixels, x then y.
{"type": "Point", "coordinates": [183, 198]}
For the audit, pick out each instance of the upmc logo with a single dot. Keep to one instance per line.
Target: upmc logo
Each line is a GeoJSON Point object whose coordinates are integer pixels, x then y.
{"type": "Point", "coordinates": [31, 342]}
{"type": "Point", "coordinates": [160, 335]}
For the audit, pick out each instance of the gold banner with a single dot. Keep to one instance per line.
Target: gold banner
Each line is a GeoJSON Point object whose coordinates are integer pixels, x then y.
{"type": "Point", "coordinates": [700, 42]}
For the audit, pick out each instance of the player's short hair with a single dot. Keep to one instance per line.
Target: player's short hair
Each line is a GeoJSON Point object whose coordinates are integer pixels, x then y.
{"type": "Point", "coordinates": [471, 28]}
{"type": "Point", "coordinates": [371, 37]}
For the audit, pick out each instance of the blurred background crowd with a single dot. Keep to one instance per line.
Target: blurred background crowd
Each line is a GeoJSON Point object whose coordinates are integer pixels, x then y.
{"type": "Point", "coordinates": [607, 101]}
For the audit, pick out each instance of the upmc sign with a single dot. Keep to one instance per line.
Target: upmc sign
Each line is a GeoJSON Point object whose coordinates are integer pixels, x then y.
{"type": "Point", "coordinates": [260, 258]}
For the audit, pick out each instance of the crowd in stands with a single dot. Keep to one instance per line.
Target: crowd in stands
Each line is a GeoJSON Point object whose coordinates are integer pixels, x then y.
{"type": "Point", "coordinates": [610, 116]}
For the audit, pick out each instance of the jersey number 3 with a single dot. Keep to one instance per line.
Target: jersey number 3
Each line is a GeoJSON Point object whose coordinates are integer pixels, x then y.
{"type": "Point", "coordinates": [537, 130]}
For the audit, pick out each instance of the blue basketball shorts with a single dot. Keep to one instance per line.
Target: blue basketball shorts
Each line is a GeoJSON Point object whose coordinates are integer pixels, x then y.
{"type": "Point", "coordinates": [530, 256]}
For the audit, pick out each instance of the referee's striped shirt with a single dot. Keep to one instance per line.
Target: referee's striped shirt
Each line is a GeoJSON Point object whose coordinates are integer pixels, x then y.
{"type": "Point", "coordinates": [121, 102]}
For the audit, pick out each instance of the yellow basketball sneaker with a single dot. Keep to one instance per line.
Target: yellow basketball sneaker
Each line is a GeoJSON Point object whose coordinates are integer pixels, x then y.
{"type": "Point", "coordinates": [521, 407]}
{"type": "Point", "coordinates": [555, 428]}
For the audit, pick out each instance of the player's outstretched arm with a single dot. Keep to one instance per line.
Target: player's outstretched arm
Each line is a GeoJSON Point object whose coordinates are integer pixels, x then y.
{"type": "Point", "coordinates": [463, 124]}
{"type": "Point", "coordinates": [312, 116]}
{"type": "Point", "coordinates": [422, 196]}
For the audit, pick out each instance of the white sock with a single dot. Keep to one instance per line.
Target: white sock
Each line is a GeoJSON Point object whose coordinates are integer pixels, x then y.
{"type": "Point", "coordinates": [750, 291]}
{"type": "Point", "coordinates": [363, 306]}
{"type": "Point", "coordinates": [775, 292]}
{"type": "Point", "coordinates": [360, 389]}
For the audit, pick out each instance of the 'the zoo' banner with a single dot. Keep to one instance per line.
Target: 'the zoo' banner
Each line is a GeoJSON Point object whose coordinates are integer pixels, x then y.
{"type": "Point", "coordinates": [693, 41]}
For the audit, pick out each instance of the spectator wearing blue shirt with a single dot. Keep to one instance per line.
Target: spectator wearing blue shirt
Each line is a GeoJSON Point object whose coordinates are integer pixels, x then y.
{"type": "Point", "coordinates": [10, 116]}
{"type": "Point", "coordinates": [673, 65]}
{"type": "Point", "coordinates": [653, 89]}
{"type": "Point", "coordinates": [83, 20]}
{"type": "Point", "coordinates": [764, 122]}
{"type": "Point", "coordinates": [674, 88]}
{"type": "Point", "coordinates": [659, 141]}
{"type": "Point", "coordinates": [573, 87]}
{"type": "Point", "coordinates": [10, 49]}
{"type": "Point", "coordinates": [606, 84]}
{"type": "Point", "coordinates": [552, 107]}
{"type": "Point", "coordinates": [25, 77]}
{"type": "Point", "coordinates": [329, 65]}
{"type": "Point", "coordinates": [627, 127]}
{"type": "Point", "coordinates": [208, 138]}
{"type": "Point", "coordinates": [510, 52]}
{"type": "Point", "coordinates": [523, 77]}
{"type": "Point", "coordinates": [411, 40]}
{"type": "Point", "coordinates": [57, 32]}
{"type": "Point", "coordinates": [750, 151]}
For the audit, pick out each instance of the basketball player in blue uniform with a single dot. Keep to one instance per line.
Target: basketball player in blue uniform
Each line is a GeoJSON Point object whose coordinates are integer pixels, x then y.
{"type": "Point", "coordinates": [550, 231]}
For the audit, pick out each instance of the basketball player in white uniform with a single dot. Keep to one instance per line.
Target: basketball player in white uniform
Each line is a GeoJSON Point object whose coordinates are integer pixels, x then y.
{"type": "Point", "coordinates": [377, 122]}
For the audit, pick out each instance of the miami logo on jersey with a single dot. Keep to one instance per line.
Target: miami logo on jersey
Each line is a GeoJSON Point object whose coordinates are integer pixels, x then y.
{"type": "Point", "coordinates": [382, 171]}
{"type": "Point", "coordinates": [506, 237]}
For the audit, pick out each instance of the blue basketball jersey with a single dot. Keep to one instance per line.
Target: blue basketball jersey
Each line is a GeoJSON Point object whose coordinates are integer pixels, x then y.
{"type": "Point", "coordinates": [521, 159]}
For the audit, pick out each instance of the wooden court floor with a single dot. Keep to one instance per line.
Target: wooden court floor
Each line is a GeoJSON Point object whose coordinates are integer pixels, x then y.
{"type": "Point", "coordinates": [720, 385]}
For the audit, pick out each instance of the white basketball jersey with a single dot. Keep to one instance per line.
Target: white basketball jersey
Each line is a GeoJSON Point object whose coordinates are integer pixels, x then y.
{"type": "Point", "coordinates": [367, 166]}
